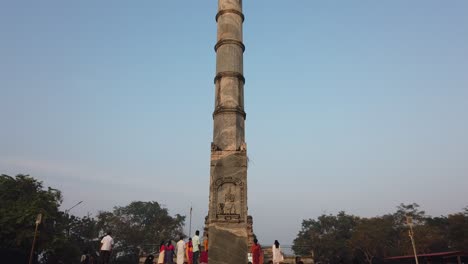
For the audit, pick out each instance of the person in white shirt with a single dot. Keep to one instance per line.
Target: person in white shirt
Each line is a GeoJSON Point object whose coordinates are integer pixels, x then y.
{"type": "Point", "coordinates": [180, 247]}
{"type": "Point", "coordinates": [106, 247]}
{"type": "Point", "coordinates": [196, 247]}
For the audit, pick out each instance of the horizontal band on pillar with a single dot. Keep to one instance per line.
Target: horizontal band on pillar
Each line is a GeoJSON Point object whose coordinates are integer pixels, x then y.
{"type": "Point", "coordinates": [229, 41]}
{"type": "Point", "coordinates": [221, 110]}
{"type": "Point", "coordinates": [232, 11]}
{"type": "Point", "coordinates": [237, 75]}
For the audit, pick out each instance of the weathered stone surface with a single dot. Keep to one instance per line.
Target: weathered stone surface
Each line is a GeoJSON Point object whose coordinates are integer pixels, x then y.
{"type": "Point", "coordinates": [229, 58]}
{"type": "Point", "coordinates": [230, 4]}
{"type": "Point", "coordinates": [230, 27]}
{"type": "Point", "coordinates": [227, 244]}
{"type": "Point", "coordinates": [228, 131]}
{"type": "Point", "coordinates": [228, 190]}
{"type": "Point", "coordinates": [227, 223]}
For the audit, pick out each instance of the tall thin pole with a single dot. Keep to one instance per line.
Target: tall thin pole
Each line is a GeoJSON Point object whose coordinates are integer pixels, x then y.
{"type": "Point", "coordinates": [68, 210]}
{"type": "Point", "coordinates": [38, 221]}
{"type": "Point", "coordinates": [409, 221]}
{"type": "Point", "coordinates": [190, 224]}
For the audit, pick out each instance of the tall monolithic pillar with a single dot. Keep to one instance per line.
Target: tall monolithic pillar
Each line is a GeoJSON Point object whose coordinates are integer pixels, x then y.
{"type": "Point", "coordinates": [227, 216]}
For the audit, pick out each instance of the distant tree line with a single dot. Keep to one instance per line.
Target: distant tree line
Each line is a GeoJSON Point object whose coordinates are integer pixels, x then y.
{"type": "Point", "coordinates": [141, 226]}
{"type": "Point", "coordinates": [345, 238]}
{"type": "Point", "coordinates": [63, 238]}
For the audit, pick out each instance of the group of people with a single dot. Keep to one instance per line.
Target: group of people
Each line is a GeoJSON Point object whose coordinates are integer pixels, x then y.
{"type": "Point", "coordinates": [257, 253]}
{"type": "Point", "coordinates": [277, 256]}
{"type": "Point", "coordinates": [189, 252]}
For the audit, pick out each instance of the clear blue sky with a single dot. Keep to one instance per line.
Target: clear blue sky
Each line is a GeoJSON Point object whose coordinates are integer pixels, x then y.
{"type": "Point", "coordinates": [351, 105]}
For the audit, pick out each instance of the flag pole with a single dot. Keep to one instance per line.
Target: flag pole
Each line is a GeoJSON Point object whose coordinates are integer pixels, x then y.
{"type": "Point", "coordinates": [190, 224]}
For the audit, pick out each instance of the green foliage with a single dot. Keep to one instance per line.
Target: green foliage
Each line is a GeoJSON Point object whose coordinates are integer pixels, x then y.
{"type": "Point", "coordinates": [140, 226]}
{"type": "Point", "coordinates": [73, 236]}
{"type": "Point", "coordinates": [412, 210]}
{"type": "Point", "coordinates": [62, 238]}
{"type": "Point", "coordinates": [345, 238]}
{"type": "Point", "coordinates": [458, 230]}
{"type": "Point", "coordinates": [21, 199]}
{"type": "Point", "coordinates": [326, 237]}
{"type": "Point", "coordinates": [373, 237]}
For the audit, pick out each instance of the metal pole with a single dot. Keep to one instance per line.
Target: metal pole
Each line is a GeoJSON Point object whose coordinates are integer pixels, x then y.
{"type": "Point", "coordinates": [66, 213]}
{"type": "Point", "coordinates": [38, 221]}
{"type": "Point", "coordinates": [190, 225]}
{"type": "Point", "coordinates": [68, 210]}
{"type": "Point", "coordinates": [409, 221]}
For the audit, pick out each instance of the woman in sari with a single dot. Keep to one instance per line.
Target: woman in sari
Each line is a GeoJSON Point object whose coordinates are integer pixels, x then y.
{"type": "Point", "coordinates": [169, 253]}
{"type": "Point", "coordinates": [256, 251]}
{"type": "Point", "coordinates": [161, 253]}
{"type": "Point", "coordinates": [189, 251]}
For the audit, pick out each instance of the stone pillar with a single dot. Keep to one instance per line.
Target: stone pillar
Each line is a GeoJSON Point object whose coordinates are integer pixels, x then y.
{"type": "Point", "coordinates": [227, 216]}
{"type": "Point", "coordinates": [229, 112]}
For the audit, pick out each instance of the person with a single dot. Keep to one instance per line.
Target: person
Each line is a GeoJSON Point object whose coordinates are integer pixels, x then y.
{"type": "Point", "coordinates": [189, 251]}
{"type": "Point", "coordinates": [256, 251]}
{"type": "Point", "coordinates": [204, 257]}
{"type": "Point", "coordinates": [92, 260]}
{"type": "Point", "coordinates": [205, 243]}
{"type": "Point", "coordinates": [196, 247]}
{"type": "Point", "coordinates": [149, 259]}
{"type": "Point", "coordinates": [276, 250]}
{"type": "Point", "coordinates": [298, 260]}
{"type": "Point", "coordinates": [84, 258]}
{"type": "Point", "coordinates": [180, 248]}
{"type": "Point", "coordinates": [169, 253]}
{"type": "Point", "coordinates": [106, 248]}
{"type": "Point", "coordinates": [161, 253]}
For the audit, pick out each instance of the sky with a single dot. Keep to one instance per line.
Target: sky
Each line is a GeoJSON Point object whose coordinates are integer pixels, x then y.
{"type": "Point", "coordinates": [351, 105]}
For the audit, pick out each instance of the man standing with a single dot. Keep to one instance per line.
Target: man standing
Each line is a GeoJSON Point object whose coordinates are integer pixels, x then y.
{"type": "Point", "coordinates": [106, 247]}
{"type": "Point", "coordinates": [196, 247]}
{"type": "Point", "coordinates": [180, 247]}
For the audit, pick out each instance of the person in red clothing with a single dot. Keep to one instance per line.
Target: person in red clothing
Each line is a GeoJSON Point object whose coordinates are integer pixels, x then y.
{"type": "Point", "coordinates": [161, 253]}
{"type": "Point", "coordinates": [189, 251]}
{"type": "Point", "coordinates": [256, 251]}
{"type": "Point", "coordinates": [204, 257]}
{"type": "Point", "coordinates": [169, 253]}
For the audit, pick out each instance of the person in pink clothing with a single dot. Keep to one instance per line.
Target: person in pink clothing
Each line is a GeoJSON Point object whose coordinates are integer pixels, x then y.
{"type": "Point", "coordinates": [169, 253]}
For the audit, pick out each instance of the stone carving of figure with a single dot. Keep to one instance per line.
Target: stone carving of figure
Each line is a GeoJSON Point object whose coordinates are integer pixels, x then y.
{"type": "Point", "coordinates": [229, 200]}
{"type": "Point", "coordinates": [221, 208]}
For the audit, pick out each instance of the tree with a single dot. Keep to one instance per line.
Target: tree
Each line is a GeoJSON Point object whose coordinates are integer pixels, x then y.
{"type": "Point", "coordinates": [139, 226]}
{"type": "Point", "coordinates": [372, 237]}
{"type": "Point", "coordinates": [327, 237]}
{"type": "Point", "coordinates": [431, 236]}
{"type": "Point", "coordinates": [61, 237]}
{"type": "Point", "coordinates": [402, 244]}
{"type": "Point", "coordinates": [412, 210]}
{"type": "Point", "coordinates": [21, 199]}
{"type": "Point", "coordinates": [458, 230]}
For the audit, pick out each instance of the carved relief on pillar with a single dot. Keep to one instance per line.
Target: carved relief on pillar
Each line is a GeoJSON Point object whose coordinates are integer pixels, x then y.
{"type": "Point", "coordinates": [229, 199]}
